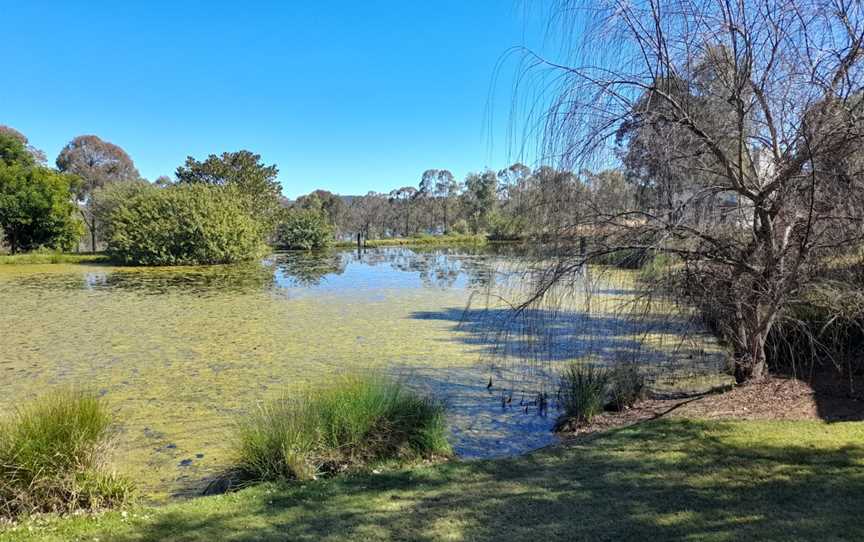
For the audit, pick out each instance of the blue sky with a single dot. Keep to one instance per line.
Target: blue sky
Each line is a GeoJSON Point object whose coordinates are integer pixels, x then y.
{"type": "Point", "coordinates": [348, 96]}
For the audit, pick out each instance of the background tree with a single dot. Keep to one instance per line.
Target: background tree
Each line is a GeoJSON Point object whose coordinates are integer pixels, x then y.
{"type": "Point", "coordinates": [512, 185]}
{"type": "Point", "coordinates": [368, 215]}
{"type": "Point", "coordinates": [97, 163]}
{"type": "Point", "coordinates": [37, 154]}
{"type": "Point", "coordinates": [332, 205]}
{"type": "Point", "coordinates": [242, 171]}
{"type": "Point", "coordinates": [163, 181]}
{"type": "Point", "coordinates": [426, 197]}
{"type": "Point", "coordinates": [402, 200]}
{"type": "Point", "coordinates": [479, 198]}
{"type": "Point", "coordinates": [446, 191]}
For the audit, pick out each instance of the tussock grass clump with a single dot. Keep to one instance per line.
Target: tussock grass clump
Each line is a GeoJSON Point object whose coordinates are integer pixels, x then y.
{"type": "Point", "coordinates": [582, 393]}
{"type": "Point", "coordinates": [585, 390]}
{"type": "Point", "coordinates": [627, 386]}
{"type": "Point", "coordinates": [356, 421]}
{"type": "Point", "coordinates": [51, 457]}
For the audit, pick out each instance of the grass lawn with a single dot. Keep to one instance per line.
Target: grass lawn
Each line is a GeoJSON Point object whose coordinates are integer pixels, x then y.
{"type": "Point", "coordinates": [671, 479]}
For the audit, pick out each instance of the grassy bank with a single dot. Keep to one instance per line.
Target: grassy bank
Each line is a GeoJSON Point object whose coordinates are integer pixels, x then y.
{"type": "Point", "coordinates": [34, 258]}
{"type": "Point", "coordinates": [425, 240]}
{"type": "Point", "coordinates": [671, 479]}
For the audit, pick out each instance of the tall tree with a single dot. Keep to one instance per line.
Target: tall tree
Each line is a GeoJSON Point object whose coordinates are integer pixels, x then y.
{"type": "Point", "coordinates": [479, 197]}
{"type": "Point", "coordinates": [332, 205]}
{"type": "Point", "coordinates": [446, 190]}
{"type": "Point", "coordinates": [426, 194]}
{"type": "Point", "coordinates": [97, 163]}
{"type": "Point", "coordinates": [368, 212]}
{"type": "Point", "coordinates": [243, 171]}
{"type": "Point", "coordinates": [403, 202]}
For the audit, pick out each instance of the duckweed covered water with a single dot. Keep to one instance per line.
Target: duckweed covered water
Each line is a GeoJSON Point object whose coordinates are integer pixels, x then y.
{"type": "Point", "coordinates": [181, 353]}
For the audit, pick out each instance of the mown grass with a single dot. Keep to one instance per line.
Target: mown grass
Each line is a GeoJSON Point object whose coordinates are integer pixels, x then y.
{"type": "Point", "coordinates": [46, 257]}
{"type": "Point", "coordinates": [670, 479]}
{"type": "Point", "coordinates": [355, 421]}
{"type": "Point", "coordinates": [51, 457]}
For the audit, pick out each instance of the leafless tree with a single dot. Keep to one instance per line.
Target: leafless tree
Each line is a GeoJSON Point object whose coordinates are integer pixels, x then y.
{"type": "Point", "coordinates": [744, 119]}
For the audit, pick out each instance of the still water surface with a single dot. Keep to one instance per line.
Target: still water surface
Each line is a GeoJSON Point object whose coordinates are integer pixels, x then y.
{"type": "Point", "coordinates": [180, 353]}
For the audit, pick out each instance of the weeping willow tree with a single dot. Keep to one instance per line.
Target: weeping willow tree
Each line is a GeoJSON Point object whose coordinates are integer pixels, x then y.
{"type": "Point", "coordinates": [740, 126]}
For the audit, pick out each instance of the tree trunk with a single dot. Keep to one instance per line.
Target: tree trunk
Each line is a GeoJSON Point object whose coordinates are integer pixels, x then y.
{"type": "Point", "coordinates": [751, 364]}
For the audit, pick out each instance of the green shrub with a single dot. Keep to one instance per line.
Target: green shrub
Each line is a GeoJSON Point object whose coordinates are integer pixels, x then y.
{"type": "Point", "coordinates": [183, 225]}
{"type": "Point", "coordinates": [582, 393]}
{"type": "Point", "coordinates": [506, 228]}
{"type": "Point", "coordinates": [51, 457]}
{"type": "Point", "coordinates": [36, 209]}
{"type": "Point", "coordinates": [626, 386]}
{"type": "Point", "coordinates": [356, 421]}
{"type": "Point", "coordinates": [460, 227]}
{"type": "Point", "coordinates": [304, 229]}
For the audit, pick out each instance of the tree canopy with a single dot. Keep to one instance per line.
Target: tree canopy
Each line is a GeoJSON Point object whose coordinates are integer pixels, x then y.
{"type": "Point", "coordinates": [242, 171]}
{"type": "Point", "coordinates": [35, 204]}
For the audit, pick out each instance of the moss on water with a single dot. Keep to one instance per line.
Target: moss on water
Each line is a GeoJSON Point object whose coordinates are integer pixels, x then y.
{"type": "Point", "coordinates": [180, 353]}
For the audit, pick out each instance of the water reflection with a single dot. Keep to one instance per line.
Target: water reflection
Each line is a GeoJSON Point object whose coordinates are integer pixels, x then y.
{"type": "Point", "coordinates": [195, 281]}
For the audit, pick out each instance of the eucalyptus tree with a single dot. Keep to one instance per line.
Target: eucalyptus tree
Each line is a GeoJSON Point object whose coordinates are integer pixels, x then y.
{"type": "Point", "coordinates": [97, 163]}
{"type": "Point", "coordinates": [446, 191]}
{"type": "Point", "coordinates": [402, 201]}
{"type": "Point", "coordinates": [755, 104]}
{"type": "Point", "coordinates": [479, 198]}
{"type": "Point", "coordinates": [368, 214]}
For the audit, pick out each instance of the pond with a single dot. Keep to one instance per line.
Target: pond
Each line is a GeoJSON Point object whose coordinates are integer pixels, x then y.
{"type": "Point", "coordinates": [180, 354]}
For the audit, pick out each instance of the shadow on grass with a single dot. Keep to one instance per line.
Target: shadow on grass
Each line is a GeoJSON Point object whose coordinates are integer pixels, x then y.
{"type": "Point", "coordinates": [663, 480]}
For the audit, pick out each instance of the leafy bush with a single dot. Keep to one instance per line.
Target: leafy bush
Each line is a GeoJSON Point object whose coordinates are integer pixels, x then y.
{"type": "Point", "coordinates": [460, 227]}
{"type": "Point", "coordinates": [582, 393]}
{"type": "Point", "coordinates": [303, 229]}
{"type": "Point", "coordinates": [505, 228]}
{"type": "Point", "coordinates": [51, 457]}
{"type": "Point", "coordinates": [36, 209]}
{"type": "Point", "coordinates": [182, 225]}
{"type": "Point", "coordinates": [355, 421]}
{"type": "Point", "coordinates": [626, 386]}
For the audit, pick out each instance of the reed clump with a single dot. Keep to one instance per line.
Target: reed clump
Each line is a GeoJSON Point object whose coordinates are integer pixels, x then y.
{"type": "Point", "coordinates": [356, 421]}
{"type": "Point", "coordinates": [52, 455]}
